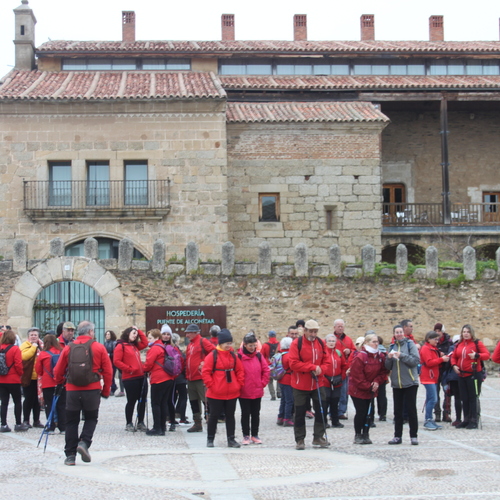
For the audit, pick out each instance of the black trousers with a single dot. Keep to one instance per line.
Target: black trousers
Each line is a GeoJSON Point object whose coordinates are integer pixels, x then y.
{"type": "Point", "coordinates": [407, 396]}
{"type": "Point", "coordinates": [137, 392]}
{"type": "Point", "coordinates": [362, 420]}
{"type": "Point", "coordinates": [382, 400]}
{"type": "Point", "coordinates": [181, 395]}
{"type": "Point", "coordinates": [217, 408]}
{"type": "Point", "coordinates": [331, 403]}
{"type": "Point", "coordinates": [468, 396]}
{"type": "Point", "coordinates": [160, 393]}
{"type": "Point", "coordinates": [250, 411]}
{"type": "Point", "coordinates": [13, 390]}
{"type": "Point", "coordinates": [31, 402]}
{"type": "Point", "coordinates": [77, 402]}
{"type": "Point", "coordinates": [59, 420]}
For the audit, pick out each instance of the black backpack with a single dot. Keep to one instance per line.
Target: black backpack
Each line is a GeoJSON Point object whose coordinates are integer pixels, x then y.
{"type": "Point", "coordinates": [4, 368]}
{"type": "Point", "coordinates": [80, 363]}
{"type": "Point", "coordinates": [272, 349]}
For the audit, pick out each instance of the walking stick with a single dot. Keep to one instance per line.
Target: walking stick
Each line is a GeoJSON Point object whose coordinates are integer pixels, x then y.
{"type": "Point", "coordinates": [314, 376]}
{"type": "Point", "coordinates": [51, 418]}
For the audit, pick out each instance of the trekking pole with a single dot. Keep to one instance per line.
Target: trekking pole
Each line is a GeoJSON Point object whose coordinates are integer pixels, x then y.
{"type": "Point", "coordinates": [50, 418]}
{"type": "Point", "coordinates": [314, 376]}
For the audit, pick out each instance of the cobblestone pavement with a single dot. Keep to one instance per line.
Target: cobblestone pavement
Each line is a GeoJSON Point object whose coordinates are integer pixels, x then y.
{"type": "Point", "coordinates": [448, 464]}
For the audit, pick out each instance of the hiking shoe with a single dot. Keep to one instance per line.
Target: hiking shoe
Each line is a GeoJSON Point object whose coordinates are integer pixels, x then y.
{"type": "Point", "coordinates": [21, 427]}
{"type": "Point", "coordinates": [130, 428]}
{"type": "Point", "coordinates": [246, 440]}
{"type": "Point", "coordinates": [210, 443]}
{"type": "Point", "coordinates": [232, 443]}
{"type": "Point", "coordinates": [430, 425]}
{"type": "Point", "coordinates": [462, 425]}
{"type": "Point", "coordinates": [155, 432]}
{"type": "Point", "coordinates": [300, 445]}
{"type": "Point", "coordinates": [71, 460]}
{"type": "Point", "coordinates": [456, 423]}
{"type": "Point", "coordinates": [396, 440]}
{"type": "Point", "coordinates": [446, 418]}
{"type": "Point", "coordinates": [28, 425]}
{"type": "Point", "coordinates": [120, 395]}
{"type": "Point", "coordinates": [287, 422]}
{"type": "Point", "coordinates": [383, 418]}
{"type": "Point", "coordinates": [5, 428]}
{"type": "Point", "coordinates": [171, 428]}
{"type": "Point", "coordinates": [366, 440]}
{"type": "Point", "coordinates": [38, 425]}
{"type": "Point", "coordinates": [414, 441]}
{"type": "Point", "coordinates": [280, 421]}
{"type": "Point", "coordinates": [342, 417]}
{"type": "Point", "coordinates": [141, 427]}
{"type": "Point", "coordinates": [83, 449]}
{"type": "Point", "coordinates": [321, 442]}
{"type": "Point", "coordinates": [358, 439]}
{"type": "Point", "coordinates": [184, 421]}
{"type": "Point", "coordinates": [256, 440]}
{"type": "Point", "coordinates": [196, 427]}
{"type": "Point", "coordinates": [337, 425]}
{"type": "Point", "coordinates": [273, 398]}
{"type": "Point", "coordinates": [472, 425]}
{"type": "Point", "coordinates": [309, 414]}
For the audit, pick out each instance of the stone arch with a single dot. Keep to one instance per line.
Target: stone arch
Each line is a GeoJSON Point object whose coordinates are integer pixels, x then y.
{"type": "Point", "coordinates": [416, 253]}
{"type": "Point", "coordinates": [31, 283]}
{"type": "Point", "coordinates": [486, 251]}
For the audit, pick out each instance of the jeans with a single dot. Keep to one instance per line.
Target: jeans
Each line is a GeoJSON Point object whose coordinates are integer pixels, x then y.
{"type": "Point", "coordinates": [344, 398]}
{"type": "Point", "coordinates": [286, 403]}
{"type": "Point", "coordinates": [430, 399]}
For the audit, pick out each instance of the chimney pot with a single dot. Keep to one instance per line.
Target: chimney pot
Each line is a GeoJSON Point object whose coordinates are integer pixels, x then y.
{"type": "Point", "coordinates": [436, 28]}
{"type": "Point", "coordinates": [367, 27]}
{"type": "Point", "coordinates": [299, 27]}
{"type": "Point", "coordinates": [128, 26]}
{"type": "Point", "coordinates": [227, 23]}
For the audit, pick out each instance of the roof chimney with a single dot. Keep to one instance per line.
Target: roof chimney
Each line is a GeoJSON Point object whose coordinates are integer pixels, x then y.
{"type": "Point", "coordinates": [128, 26]}
{"type": "Point", "coordinates": [227, 23]}
{"type": "Point", "coordinates": [436, 28]}
{"type": "Point", "coordinates": [299, 27]}
{"type": "Point", "coordinates": [24, 41]}
{"type": "Point", "coordinates": [367, 27]}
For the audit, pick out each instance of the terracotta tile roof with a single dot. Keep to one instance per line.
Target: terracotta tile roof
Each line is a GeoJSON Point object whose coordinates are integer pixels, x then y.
{"type": "Point", "coordinates": [304, 112]}
{"type": "Point", "coordinates": [62, 47]}
{"type": "Point", "coordinates": [109, 85]}
{"type": "Point", "coordinates": [359, 82]}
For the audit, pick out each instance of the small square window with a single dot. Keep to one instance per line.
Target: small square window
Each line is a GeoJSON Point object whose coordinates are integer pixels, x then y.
{"type": "Point", "coordinates": [269, 207]}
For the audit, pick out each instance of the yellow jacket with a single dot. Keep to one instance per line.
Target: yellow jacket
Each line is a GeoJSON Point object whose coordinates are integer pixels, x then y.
{"type": "Point", "coordinates": [28, 350]}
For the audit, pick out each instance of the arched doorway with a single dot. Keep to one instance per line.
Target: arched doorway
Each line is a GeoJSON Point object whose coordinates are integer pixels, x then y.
{"type": "Point", "coordinates": [69, 301]}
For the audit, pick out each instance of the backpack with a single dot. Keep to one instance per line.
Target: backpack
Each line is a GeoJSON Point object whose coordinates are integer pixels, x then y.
{"type": "Point", "coordinates": [272, 349]}
{"type": "Point", "coordinates": [172, 364]}
{"type": "Point", "coordinates": [276, 367]}
{"type": "Point", "coordinates": [4, 368]}
{"type": "Point", "coordinates": [80, 364]}
{"type": "Point", "coordinates": [54, 358]}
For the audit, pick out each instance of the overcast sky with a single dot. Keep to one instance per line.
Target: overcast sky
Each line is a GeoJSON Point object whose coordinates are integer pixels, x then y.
{"type": "Point", "coordinates": [254, 19]}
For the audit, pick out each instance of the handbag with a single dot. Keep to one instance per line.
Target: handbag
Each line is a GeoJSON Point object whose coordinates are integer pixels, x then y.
{"type": "Point", "coordinates": [28, 365]}
{"type": "Point", "coordinates": [336, 380]}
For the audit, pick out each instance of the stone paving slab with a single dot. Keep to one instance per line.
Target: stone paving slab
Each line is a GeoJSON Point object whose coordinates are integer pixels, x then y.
{"type": "Point", "coordinates": [448, 464]}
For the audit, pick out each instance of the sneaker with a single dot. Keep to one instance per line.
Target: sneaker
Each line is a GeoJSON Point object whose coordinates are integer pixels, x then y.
{"type": "Point", "coordinates": [71, 460]}
{"type": "Point", "coordinates": [83, 449]}
{"type": "Point", "coordinates": [171, 428]}
{"type": "Point", "coordinates": [5, 428]}
{"type": "Point", "coordinates": [430, 425]}
{"type": "Point", "coordinates": [396, 440]}
{"type": "Point", "coordinates": [280, 421]}
{"type": "Point", "coordinates": [141, 427]}
{"type": "Point", "coordinates": [130, 428]}
{"type": "Point", "coordinates": [246, 440]}
{"type": "Point", "coordinates": [288, 423]}
{"type": "Point", "coordinates": [309, 414]}
{"type": "Point", "coordinates": [120, 395]}
{"type": "Point", "coordinates": [21, 427]}
{"type": "Point", "coordinates": [358, 439]}
{"type": "Point", "coordinates": [337, 425]}
{"type": "Point", "coordinates": [155, 432]}
{"type": "Point", "coordinates": [300, 445]}
{"type": "Point", "coordinates": [472, 425]}
{"type": "Point", "coordinates": [321, 442]}
{"type": "Point", "coordinates": [414, 441]}
{"type": "Point", "coordinates": [184, 421]}
{"type": "Point", "coordinates": [256, 440]}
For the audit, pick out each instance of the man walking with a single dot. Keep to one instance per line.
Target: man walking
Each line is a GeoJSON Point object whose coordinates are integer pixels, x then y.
{"type": "Point", "coordinates": [87, 362]}
{"type": "Point", "coordinates": [346, 346]}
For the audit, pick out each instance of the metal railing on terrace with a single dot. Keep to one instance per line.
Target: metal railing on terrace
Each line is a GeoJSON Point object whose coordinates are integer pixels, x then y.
{"type": "Point", "coordinates": [431, 214]}
{"type": "Point", "coordinates": [83, 200]}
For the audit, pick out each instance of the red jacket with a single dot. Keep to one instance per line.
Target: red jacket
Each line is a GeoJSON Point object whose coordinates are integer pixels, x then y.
{"type": "Point", "coordinates": [127, 357]}
{"type": "Point", "coordinates": [100, 364]}
{"type": "Point", "coordinates": [15, 362]}
{"type": "Point", "coordinates": [339, 365]}
{"type": "Point", "coordinates": [195, 355]}
{"type": "Point", "coordinates": [496, 354]}
{"type": "Point", "coordinates": [154, 363]}
{"type": "Point", "coordinates": [266, 349]}
{"type": "Point", "coordinates": [287, 378]}
{"type": "Point", "coordinates": [344, 342]}
{"type": "Point", "coordinates": [311, 355]}
{"type": "Point", "coordinates": [430, 357]}
{"type": "Point", "coordinates": [214, 341]}
{"type": "Point", "coordinates": [216, 380]}
{"type": "Point", "coordinates": [257, 375]}
{"type": "Point", "coordinates": [365, 369]}
{"type": "Point", "coordinates": [461, 359]}
{"type": "Point", "coordinates": [43, 367]}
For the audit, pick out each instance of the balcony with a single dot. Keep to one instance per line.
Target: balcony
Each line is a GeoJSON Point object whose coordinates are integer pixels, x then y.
{"type": "Point", "coordinates": [87, 200]}
{"type": "Point", "coordinates": [430, 215]}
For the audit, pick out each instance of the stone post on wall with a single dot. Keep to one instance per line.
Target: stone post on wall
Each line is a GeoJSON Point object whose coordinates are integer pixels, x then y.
{"type": "Point", "coordinates": [158, 263]}
{"type": "Point", "coordinates": [125, 254]}
{"type": "Point", "coordinates": [335, 260]}
{"type": "Point", "coordinates": [431, 263]}
{"type": "Point", "coordinates": [401, 259]}
{"type": "Point", "coordinates": [265, 262]}
{"type": "Point", "coordinates": [56, 247]}
{"type": "Point", "coordinates": [20, 256]}
{"type": "Point", "coordinates": [368, 257]}
{"type": "Point", "coordinates": [301, 263]}
{"type": "Point", "coordinates": [91, 248]}
{"type": "Point", "coordinates": [192, 257]}
{"type": "Point", "coordinates": [227, 267]}
{"type": "Point", "coordinates": [469, 258]}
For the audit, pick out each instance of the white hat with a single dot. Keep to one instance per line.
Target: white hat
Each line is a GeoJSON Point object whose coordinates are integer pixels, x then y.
{"type": "Point", "coordinates": [166, 329]}
{"type": "Point", "coordinates": [360, 340]}
{"type": "Point", "coordinates": [311, 325]}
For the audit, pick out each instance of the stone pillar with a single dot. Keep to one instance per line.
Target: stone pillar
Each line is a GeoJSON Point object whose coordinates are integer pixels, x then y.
{"type": "Point", "coordinates": [192, 257]}
{"type": "Point", "coordinates": [91, 248]}
{"type": "Point", "coordinates": [265, 261]}
{"type": "Point", "coordinates": [368, 257]}
{"type": "Point", "coordinates": [301, 263]}
{"type": "Point", "coordinates": [158, 264]}
{"type": "Point", "coordinates": [401, 259]}
{"type": "Point", "coordinates": [431, 263]}
{"type": "Point", "coordinates": [335, 259]}
{"type": "Point", "coordinates": [125, 254]}
{"type": "Point", "coordinates": [56, 247]}
{"type": "Point", "coordinates": [227, 259]}
{"type": "Point", "coordinates": [20, 256]}
{"type": "Point", "coordinates": [469, 257]}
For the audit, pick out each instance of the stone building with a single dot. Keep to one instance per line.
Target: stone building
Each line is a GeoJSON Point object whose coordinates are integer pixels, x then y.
{"type": "Point", "coordinates": [286, 142]}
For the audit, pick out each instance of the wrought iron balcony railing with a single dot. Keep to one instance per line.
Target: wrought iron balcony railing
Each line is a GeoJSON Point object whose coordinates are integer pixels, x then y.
{"type": "Point", "coordinates": [83, 200]}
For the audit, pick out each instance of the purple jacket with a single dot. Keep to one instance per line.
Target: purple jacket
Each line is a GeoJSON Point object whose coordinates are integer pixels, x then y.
{"type": "Point", "coordinates": [256, 375]}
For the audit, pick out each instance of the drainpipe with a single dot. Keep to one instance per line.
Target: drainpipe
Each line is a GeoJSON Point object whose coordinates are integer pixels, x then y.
{"type": "Point", "coordinates": [444, 161]}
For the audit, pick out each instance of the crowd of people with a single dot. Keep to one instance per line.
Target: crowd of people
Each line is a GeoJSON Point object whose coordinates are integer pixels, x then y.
{"type": "Point", "coordinates": [314, 377]}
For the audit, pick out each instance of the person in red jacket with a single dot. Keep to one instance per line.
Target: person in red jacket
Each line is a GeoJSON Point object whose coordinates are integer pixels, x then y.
{"type": "Point", "coordinates": [268, 350]}
{"type": "Point", "coordinates": [308, 361]}
{"type": "Point", "coordinates": [44, 369]}
{"type": "Point", "coordinates": [127, 358]}
{"type": "Point", "coordinates": [223, 376]}
{"type": "Point", "coordinates": [213, 335]}
{"type": "Point", "coordinates": [84, 398]}
{"type": "Point", "coordinates": [162, 383]}
{"type": "Point", "coordinates": [67, 335]}
{"type": "Point", "coordinates": [10, 384]}
{"type": "Point", "coordinates": [196, 351]}
{"type": "Point", "coordinates": [496, 354]}
{"type": "Point", "coordinates": [367, 372]}
{"type": "Point", "coordinates": [467, 361]}
{"type": "Point", "coordinates": [257, 376]}
{"type": "Point", "coordinates": [286, 404]}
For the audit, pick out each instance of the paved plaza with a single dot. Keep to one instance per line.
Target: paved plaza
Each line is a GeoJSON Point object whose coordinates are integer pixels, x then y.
{"type": "Point", "coordinates": [448, 464]}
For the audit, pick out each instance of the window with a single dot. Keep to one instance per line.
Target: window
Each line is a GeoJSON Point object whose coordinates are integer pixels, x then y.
{"type": "Point", "coordinates": [125, 64]}
{"type": "Point", "coordinates": [136, 183]}
{"type": "Point", "coordinates": [491, 208]}
{"type": "Point", "coordinates": [107, 249]}
{"type": "Point", "coordinates": [393, 194]}
{"type": "Point", "coordinates": [97, 183]}
{"type": "Point", "coordinates": [330, 218]}
{"type": "Point", "coordinates": [60, 184]}
{"type": "Point", "coordinates": [269, 207]}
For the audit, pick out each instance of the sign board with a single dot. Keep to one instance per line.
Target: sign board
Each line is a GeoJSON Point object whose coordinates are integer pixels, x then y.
{"type": "Point", "coordinates": [178, 318]}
